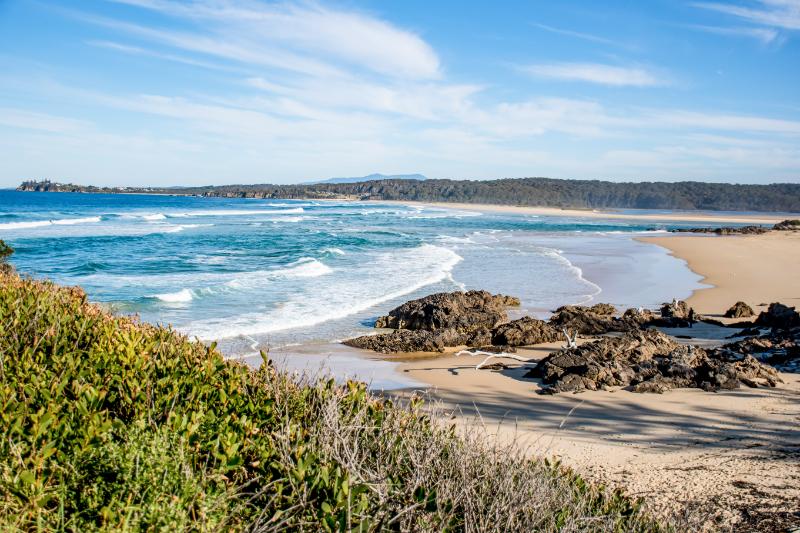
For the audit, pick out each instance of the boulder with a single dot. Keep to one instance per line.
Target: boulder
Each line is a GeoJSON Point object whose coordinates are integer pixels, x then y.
{"type": "Point", "coordinates": [676, 309]}
{"type": "Point", "coordinates": [594, 320]}
{"type": "Point", "coordinates": [739, 310]}
{"type": "Point", "coordinates": [648, 361]}
{"type": "Point", "coordinates": [787, 225]}
{"type": "Point", "coordinates": [462, 311]}
{"type": "Point", "coordinates": [405, 340]}
{"type": "Point", "coordinates": [524, 332]}
{"type": "Point", "coordinates": [778, 315]}
{"type": "Point", "coordinates": [399, 341]}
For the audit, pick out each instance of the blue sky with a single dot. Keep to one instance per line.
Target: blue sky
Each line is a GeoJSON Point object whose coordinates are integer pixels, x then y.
{"type": "Point", "coordinates": [156, 92]}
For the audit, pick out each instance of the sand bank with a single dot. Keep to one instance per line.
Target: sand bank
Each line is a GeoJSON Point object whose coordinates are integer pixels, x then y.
{"type": "Point", "coordinates": [630, 214]}
{"type": "Point", "coordinates": [757, 269]}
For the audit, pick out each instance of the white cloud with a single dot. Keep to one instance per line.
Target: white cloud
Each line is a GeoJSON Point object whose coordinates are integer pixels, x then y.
{"type": "Point", "coordinates": [776, 13]}
{"type": "Point", "coordinates": [252, 29]}
{"type": "Point", "coordinates": [596, 73]}
{"type": "Point", "coordinates": [765, 35]}
{"type": "Point", "coordinates": [32, 120]}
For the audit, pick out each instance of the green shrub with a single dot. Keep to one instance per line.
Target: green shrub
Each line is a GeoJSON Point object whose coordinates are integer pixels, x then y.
{"type": "Point", "coordinates": [110, 424]}
{"type": "Point", "coordinates": [5, 253]}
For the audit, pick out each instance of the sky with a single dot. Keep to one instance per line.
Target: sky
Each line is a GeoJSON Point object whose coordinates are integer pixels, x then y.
{"type": "Point", "coordinates": [162, 92]}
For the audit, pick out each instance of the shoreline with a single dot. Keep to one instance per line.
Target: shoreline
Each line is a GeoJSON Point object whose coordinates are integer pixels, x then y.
{"type": "Point", "coordinates": [724, 452]}
{"type": "Point", "coordinates": [683, 216]}
{"type": "Point", "coordinates": [756, 269]}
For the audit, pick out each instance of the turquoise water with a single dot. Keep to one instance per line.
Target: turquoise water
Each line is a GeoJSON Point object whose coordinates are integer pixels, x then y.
{"type": "Point", "coordinates": [257, 273]}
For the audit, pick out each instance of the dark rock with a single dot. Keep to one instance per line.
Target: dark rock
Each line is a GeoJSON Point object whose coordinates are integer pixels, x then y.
{"type": "Point", "coordinates": [746, 332]}
{"type": "Point", "coordinates": [739, 310]}
{"type": "Point", "coordinates": [500, 348]}
{"type": "Point", "coordinates": [524, 332]}
{"type": "Point", "coordinates": [399, 341]}
{"type": "Point", "coordinates": [740, 230]}
{"type": "Point", "coordinates": [676, 309]}
{"type": "Point", "coordinates": [594, 320]}
{"type": "Point", "coordinates": [457, 310]}
{"type": "Point", "coordinates": [778, 316]}
{"type": "Point", "coordinates": [648, 361]}
{"type": "Point", "coordinates": [787, 225]}
{"type": "Point", "coordinates": [780, 348]}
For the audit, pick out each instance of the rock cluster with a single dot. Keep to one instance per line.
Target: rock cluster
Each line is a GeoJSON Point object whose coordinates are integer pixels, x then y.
{"type": "Point", "coordinates": [524, 332]}
{"type": "Point", "coordinates": [458, 310]}
{"type": "Point", "coordinates": [778, 316]}
{"type": "Point", "coordinates": [741, 230]}
{"type": "Point", "coordinates": [787, 225]}
{"type": "Point", "coordinates": [739, 310]}
{"type": "Point", "coordinates": [432, 323]}
{"type": "Point", "coordinates": [648, 361]}
{"type": "Point", "coordinates": [779, 348]}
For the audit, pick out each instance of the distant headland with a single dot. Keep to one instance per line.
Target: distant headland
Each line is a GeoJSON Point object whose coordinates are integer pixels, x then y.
{"type": "Point", "coordinates": [534, 192]}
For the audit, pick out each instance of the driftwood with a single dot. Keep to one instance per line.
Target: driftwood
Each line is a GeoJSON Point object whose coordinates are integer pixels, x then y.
{"type": "Point", "coordinates": [572, 341]}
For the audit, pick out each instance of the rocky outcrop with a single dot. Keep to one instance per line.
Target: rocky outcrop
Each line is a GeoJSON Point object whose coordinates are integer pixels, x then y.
{"type": "Point", "coordinates": [779, 316]}
{"type": "Point", "coordinates": [779, 348]}
{"type": "Point", "coordinates": [399, 341]}
{"type": "Point", "coordinates": [740, 230]}
{"type": "Point", "coordinates": [594, 320]}
{"type": "Point", "coordinates": [676, 309]}
{"type": "Point", "coordinates": [787, 225]}
{"type": "Point", "coordinates": [739, 310]}
{"type": "Point", "coordinates": [405, 340]}
{"type": "Point", "coordinates": [524, 332]}
{"type": "Point", "coordinates": [648, 361]}
{"type": "Point", "coordinates": [457, 310]}
{"type": "Point", "coordinates": [441, 320]}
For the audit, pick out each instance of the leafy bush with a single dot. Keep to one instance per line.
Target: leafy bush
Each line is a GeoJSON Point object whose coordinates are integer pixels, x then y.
{"type": "Point", "coordinates": [111, 424]}
{"type": "Point", "coordinates": [5, 253]}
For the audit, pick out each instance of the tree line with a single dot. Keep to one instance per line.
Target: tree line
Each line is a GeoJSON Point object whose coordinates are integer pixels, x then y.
{"type": "Point", "coordinates": [580, 194]}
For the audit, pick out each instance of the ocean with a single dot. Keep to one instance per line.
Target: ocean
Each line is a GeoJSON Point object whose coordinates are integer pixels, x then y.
{"type": "Point", "coordinates": [253, 274]}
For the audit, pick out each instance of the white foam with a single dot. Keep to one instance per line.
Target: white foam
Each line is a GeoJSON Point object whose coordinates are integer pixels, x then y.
{"type": "Point", "coordinates": [235, 212]}
{"type": "Point", "coordinates": [333, 251]}
{"type": "Point", "coordinates": [43, 223]}
{"type": "Point", "coordinates": [383, 277]}
{"type": "Point", "coordinates": [156, 216]}
{"type": "Point", "coordinates": [183, 295]}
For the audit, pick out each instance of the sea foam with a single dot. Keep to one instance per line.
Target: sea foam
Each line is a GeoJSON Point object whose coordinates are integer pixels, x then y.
{"type": "Point", "coordinates": [44, 223]}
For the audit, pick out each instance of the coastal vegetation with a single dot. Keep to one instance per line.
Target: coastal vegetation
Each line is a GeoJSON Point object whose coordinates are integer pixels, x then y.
{"type": "Point", "coordinates": [113, 424]}
{"type": "Point", "coordinates": [579, 194]}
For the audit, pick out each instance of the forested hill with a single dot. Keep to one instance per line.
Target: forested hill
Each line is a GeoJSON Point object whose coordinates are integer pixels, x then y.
{"type": "Point", "coordinates": [525, 191]}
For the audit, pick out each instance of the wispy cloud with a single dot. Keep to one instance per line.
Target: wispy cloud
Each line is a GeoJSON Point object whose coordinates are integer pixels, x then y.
{"type": "Point", "coordinates": [576, 34]}
{"type": "Point", "coordinates": [775, 13]}
{"type": "Point", "coordinates": [342, 36]}
{"type": "Point", "coordinates": [764, 35]}
{"type": "Point", "coordinates": [597, 73]}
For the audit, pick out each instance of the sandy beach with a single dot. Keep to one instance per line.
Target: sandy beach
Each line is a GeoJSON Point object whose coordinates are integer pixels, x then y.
{"type": "Point", "coordinates": [757, 269]}
{"type": "Point", "coordinates": [706, 217]}
{"type": "Point", "coordinates": [730, 455]}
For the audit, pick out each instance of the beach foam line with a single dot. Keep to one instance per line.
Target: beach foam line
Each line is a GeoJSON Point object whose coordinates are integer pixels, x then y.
{"type": "Point", "coordinates": [43, 223]}
{"type": "Point", "coordinates": [323, 303]}
{"type": "Point", "coordinates": [577, 271]}
{"type": "Point", "coordinates": [234, 212]}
